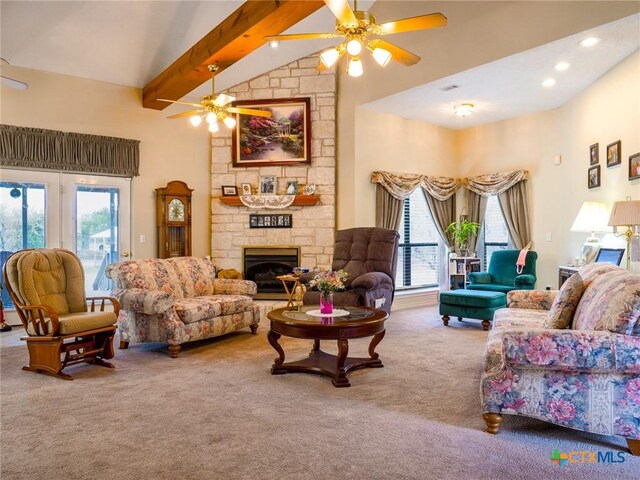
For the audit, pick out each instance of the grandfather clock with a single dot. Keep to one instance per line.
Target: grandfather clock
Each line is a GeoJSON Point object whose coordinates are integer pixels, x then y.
{"type": "Point", "coordinates": [173, 210]}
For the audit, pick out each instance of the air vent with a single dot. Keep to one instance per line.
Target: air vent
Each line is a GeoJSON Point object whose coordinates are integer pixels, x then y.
{"type": "Point", "coordinates": [448, 88]}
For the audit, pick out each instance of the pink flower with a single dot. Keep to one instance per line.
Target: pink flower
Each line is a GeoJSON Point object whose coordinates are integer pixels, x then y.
{"type": "Point", "coordinates": [504, 383]}
{"type": "Point", "coordinates": [561, 410]}
{"type": "Point", "coordinates": [624, 429]}
{"type": "Point", "coordinates": [516, 404]}
{"type": "Point", "coordinates": [633, 390]}
{"type": "Point", "coordinates": [541, 351]}
{"type": "Point", "coordinates": [584, 346]}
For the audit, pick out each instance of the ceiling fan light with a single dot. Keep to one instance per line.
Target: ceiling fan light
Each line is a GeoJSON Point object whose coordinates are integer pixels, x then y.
{"type": "Point", "coordinates": [464, 109]}
{"type": "Point", "coordinates": [230, 122]}
{"type": "Point", "coordinates": [355, 67]}
{"type": "Point", "coordinates": [211, 118]}
{"type": "Point", "coordinates": [195, 120]}
{"type": "Point", "coordinates": [214, 127]}
{"type": "Point", "coordinates": [381, 56]}
{"type": "Point", "coordinates": [329, 57]}
{"type": "Point", "coordinates": [354, 47]}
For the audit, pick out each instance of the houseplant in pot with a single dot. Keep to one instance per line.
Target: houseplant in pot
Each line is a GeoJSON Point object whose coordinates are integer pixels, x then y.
{"type": "Point", "coordinates": [460, 232]}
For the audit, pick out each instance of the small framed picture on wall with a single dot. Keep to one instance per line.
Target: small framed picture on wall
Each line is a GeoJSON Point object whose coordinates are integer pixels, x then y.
{"type": "Point", "coordinates": [268, 185]}
{"type": "Point", "coordinates": [634, 166]}
{"type": "Point", "coordinates": [593, 179]}
{"type": "Point", "coordinates": [614, 154]}
{"type": "Point", "coordinates": [594, 154]}
{"type": "Point", "coordinates": [245, 188]}
{"type": "Point", "coordinates": [229, 190]}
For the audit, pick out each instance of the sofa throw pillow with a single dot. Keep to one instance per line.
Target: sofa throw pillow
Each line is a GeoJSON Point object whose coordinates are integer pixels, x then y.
{"type": "Point", "coordinates": [565, 303]}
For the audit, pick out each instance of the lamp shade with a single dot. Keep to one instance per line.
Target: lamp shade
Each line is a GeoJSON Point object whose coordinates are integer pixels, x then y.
{"type": "Point", "coordinates": [625, 213]}
{"type": "Point", "coordinates": [592, 217]}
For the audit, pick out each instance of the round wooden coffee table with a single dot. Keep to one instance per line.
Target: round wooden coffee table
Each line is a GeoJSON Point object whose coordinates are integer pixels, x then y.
{"type": "Point", "coordinates": [296, 322]}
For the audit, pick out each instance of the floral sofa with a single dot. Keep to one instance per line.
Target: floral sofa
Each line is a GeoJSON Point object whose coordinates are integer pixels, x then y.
{"type": "Point", "coordinates": [179, 300]}
{"type": "Point", "coordinates": [585, 377]}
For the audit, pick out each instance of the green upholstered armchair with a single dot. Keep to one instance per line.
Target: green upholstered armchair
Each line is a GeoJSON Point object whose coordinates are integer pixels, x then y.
{"type": "Point", "coordinates": [502, 275]}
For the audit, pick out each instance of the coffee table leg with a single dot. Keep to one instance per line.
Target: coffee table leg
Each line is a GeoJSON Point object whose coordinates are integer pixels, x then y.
{"type": "Point", "coordinates": [341, 378]}
{"type": "Point", "coordinates": [316, 347]}
{"type": "Point", "coordinates": [273, 341]}
{"type": "Point", "coordinates": [377, 338]}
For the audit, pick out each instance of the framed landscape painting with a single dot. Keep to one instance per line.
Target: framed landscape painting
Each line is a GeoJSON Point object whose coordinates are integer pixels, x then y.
{"type": "Point", "coordinates": [282, 139]}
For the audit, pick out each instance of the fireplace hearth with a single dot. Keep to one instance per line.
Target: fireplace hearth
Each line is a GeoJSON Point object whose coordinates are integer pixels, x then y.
{"type": "Point", "coordinates": [263, 264]}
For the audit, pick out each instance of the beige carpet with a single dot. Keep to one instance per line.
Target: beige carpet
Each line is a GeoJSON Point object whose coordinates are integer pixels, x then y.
{"type": "Point", "coordinates": [217, 413]}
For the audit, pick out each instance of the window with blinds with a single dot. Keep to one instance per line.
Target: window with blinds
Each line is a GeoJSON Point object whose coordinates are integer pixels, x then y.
{"type": "Point", "coordinates": [495, 235]}
{"type": "Point", "coordinates": [418, 262]}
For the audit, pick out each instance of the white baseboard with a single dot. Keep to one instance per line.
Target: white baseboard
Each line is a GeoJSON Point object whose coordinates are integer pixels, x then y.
{"type": "Point", "coordinates": [415, 299]}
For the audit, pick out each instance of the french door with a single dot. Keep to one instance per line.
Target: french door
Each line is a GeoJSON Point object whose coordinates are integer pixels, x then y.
{"type": "Point", "coordinates": [87, 214]}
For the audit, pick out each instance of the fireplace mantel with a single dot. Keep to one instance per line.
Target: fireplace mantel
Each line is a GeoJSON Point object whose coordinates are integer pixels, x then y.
{"type": "Point", "coordinates": [300, 201]}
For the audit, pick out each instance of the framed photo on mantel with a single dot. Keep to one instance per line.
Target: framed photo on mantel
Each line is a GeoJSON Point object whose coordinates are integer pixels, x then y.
{"type": "Point", "coordinates": [282, 139]}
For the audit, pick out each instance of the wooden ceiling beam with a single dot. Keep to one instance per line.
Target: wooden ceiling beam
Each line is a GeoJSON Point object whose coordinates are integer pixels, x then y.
{"type": "Point", "coordinates": [234, 38]}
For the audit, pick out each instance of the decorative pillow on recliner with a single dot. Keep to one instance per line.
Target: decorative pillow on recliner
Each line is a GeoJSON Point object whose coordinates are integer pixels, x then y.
{"type": "Point", "coordinates": [565, 303]}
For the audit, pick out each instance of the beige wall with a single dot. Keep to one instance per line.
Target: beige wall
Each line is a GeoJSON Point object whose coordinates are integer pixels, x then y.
{"type": "Point", "coordinates": [606, 111]}
{"type": "Point", "coordinates": [169, 149]}
{"type": "Point", "coordinates": [391, 143]}
{"type": "Point", "coordinates": [478, 33]}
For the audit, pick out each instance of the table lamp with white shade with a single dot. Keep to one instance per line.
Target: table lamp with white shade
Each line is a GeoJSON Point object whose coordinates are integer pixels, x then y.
{"type": "Point", "coordinates": [591, 218]}
{"type": "Point", "coordinates": [626, 214]}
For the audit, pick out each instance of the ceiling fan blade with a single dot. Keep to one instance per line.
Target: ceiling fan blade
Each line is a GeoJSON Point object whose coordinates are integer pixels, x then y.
{"type": "Point", "coordinates": [398, 54]}
{"type": "Point", "coordinates": [187, 114]}
{"type": "Point", "coordinates": [342, 11]}
{"type": "Point", "coordinates": [181, 103]}
{"type": "Point", "coordinates": [13, 83]}
{"type": "Point", "coordinates": [223, 99]}
{"type": "Point", "coordinates": [249, 111]}
{"type": "Point", "coordinates": [433, 20]}
{"type": "Point", "coordinates": [301, 36]}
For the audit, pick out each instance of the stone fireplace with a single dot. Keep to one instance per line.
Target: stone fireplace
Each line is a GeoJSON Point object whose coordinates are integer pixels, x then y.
{"type": "Point", "coordinates": [263, 264]}
{"type": "Point", "coordinates": [312, 227]}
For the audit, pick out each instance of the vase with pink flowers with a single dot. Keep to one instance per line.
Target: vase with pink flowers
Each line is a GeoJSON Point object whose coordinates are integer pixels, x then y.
{"type": "Point", "coordinates": [327, 283]}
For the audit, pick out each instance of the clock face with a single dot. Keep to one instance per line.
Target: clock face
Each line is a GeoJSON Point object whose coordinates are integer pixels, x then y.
{"type": "Point", "coordinates": [176, 211]}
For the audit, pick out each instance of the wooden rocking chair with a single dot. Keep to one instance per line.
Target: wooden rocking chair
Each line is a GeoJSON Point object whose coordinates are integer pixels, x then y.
{"type": "Point", "coordinates": [47, 289]}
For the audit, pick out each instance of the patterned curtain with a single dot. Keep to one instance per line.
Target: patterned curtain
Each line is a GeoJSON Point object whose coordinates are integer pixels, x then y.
{"type": "Point", "coordinates": [494, 183]}
{"type": "Point", "coordinates": [401, 185]}
{"type": "Point", "coordinates": [72, 152]}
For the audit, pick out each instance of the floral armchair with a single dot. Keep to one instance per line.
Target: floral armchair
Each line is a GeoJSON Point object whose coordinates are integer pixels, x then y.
{"type": "Point", "coordinates": [586, 377]}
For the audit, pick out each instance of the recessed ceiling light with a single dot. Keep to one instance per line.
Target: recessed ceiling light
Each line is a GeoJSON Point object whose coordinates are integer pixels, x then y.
{"type": "Point", "coordinates": [464, 109]}
{"type": "Point", "coordinates": [589, 42]}
{"type": "Point", "coordinates": [274, 43]}
{"type": "Point", "coordinates": [549, 82]}
{"type": "Point", "coordinates": [562, 66]}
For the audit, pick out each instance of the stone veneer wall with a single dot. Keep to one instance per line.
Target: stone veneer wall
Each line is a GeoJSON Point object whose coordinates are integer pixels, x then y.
{"type": "Point", "coordinates": [313, 227]}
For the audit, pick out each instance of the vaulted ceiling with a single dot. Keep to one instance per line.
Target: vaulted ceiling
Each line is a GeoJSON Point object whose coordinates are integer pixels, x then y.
{"type": "Point", "coordinates": [132, 42]}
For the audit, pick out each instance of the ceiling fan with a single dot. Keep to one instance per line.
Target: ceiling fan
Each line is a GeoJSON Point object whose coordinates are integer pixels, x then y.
{"type": "Point", "coordinates": [215, 107]}
{"type": "Point", "coordinates": [355, 26]}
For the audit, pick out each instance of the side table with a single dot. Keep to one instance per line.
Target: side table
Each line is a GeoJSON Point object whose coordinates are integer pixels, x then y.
{"type": "Point", "coordinates": [290, 283]}
{"type": "Point", "coordinates": [564, 272]}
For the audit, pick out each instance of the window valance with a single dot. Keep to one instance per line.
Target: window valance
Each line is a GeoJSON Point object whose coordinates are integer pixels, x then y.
{"type": "Point", "coordinates": [494, 183]}
{"type": "Point", "coordinates": [401, 185]}
{"type": "Point", "coordinates": [64, 151]}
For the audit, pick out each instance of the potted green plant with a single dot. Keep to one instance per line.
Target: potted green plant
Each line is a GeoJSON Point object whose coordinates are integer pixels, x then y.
{"type": "Point", "coordinates": [460, 233]}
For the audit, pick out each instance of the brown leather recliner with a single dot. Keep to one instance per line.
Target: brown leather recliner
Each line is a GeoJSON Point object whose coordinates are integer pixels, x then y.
{"type": "Point", "coordinates": [370, 256]}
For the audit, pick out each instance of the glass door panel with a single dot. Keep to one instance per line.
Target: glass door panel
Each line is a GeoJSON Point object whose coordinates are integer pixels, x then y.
{"type": "Point", "coordinates": [98, 227]}
{"type": "Point", "coordinates": [25, 198]}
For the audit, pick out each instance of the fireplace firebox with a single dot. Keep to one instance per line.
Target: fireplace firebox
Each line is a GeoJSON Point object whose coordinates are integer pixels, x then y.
{"type": "Point", "coordinates": [263, 264]}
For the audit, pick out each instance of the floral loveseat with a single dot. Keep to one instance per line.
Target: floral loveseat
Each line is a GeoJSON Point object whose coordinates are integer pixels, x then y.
{"type": "Point", "coordinates": [585, 377]}
{"type": "Point", "coordinates": [179, 300]}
